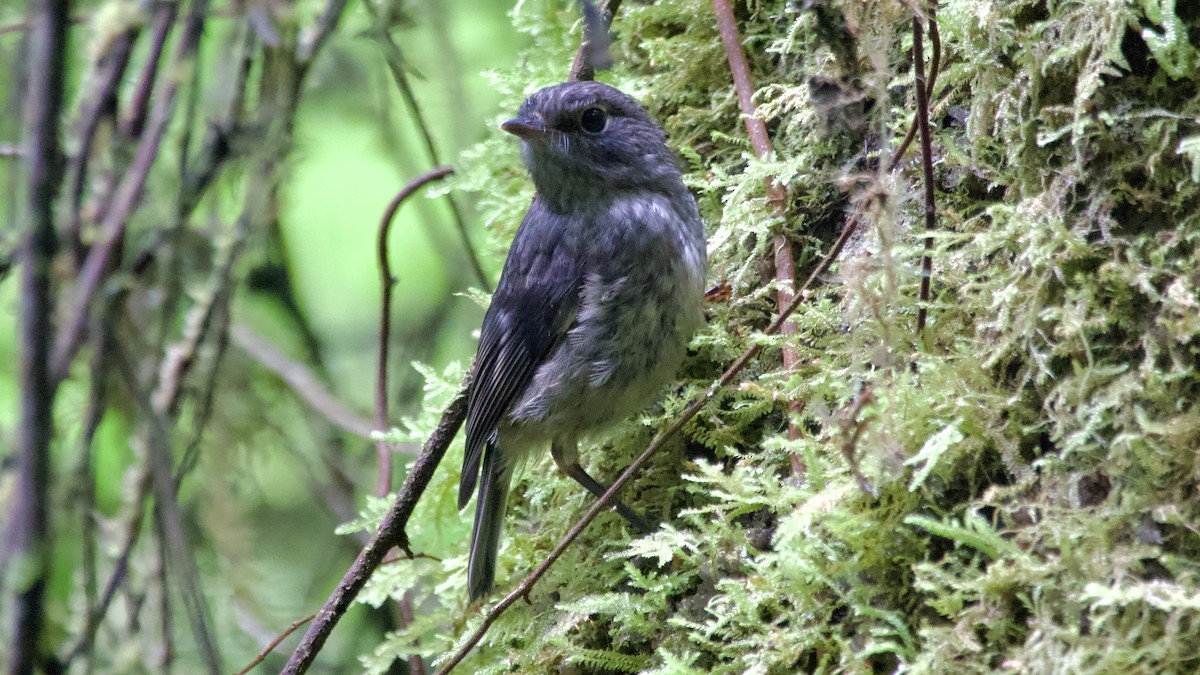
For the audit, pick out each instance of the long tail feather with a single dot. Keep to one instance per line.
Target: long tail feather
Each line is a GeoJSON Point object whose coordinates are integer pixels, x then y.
{"type": "Point", "coordinates": [489, 518]}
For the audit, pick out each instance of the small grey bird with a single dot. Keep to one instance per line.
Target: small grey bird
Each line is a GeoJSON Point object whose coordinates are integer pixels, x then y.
{"type": "Point", "coordinates": [601, 292]}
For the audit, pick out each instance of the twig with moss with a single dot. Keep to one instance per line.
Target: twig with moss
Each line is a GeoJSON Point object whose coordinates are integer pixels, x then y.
{"type": "Point", "coordinates": [777, 197]}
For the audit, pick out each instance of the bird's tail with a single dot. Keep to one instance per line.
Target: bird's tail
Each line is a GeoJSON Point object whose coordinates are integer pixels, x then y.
{"type": "Point", "coordinates": [489, 517]}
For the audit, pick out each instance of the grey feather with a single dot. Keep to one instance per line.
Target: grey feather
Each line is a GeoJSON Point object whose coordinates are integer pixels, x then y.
{"type": "Point", "coordinates": [600, 294]}
{"type": "Point", "coordinates": [489, 518]}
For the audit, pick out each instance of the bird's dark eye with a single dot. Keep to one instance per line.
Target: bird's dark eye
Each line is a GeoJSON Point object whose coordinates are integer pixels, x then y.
{"type": "Point", "coordinates": [593, 120]}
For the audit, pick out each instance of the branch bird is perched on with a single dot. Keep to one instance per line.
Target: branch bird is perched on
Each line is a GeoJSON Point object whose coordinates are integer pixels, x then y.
{"type": "Point", "coordinates": [602, 289]}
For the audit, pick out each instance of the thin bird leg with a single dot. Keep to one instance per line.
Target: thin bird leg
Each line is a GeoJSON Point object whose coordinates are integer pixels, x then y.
{"type": "Point", "coordinates": [567, 459]}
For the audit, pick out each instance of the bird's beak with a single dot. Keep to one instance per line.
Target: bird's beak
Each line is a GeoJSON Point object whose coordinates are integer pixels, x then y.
{"type": "Point", "coordinates": [526, 129]}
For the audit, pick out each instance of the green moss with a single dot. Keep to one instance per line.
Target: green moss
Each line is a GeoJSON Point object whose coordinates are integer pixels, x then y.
{"type": "Point", "coordinates": [1036, 471]}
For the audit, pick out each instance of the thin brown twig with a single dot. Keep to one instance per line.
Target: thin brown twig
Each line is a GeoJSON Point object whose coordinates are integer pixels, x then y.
{"type": "Point", "coordinates": [851, 428]}
{"type": "Point", "coordinates": [275, 643]}
{"type": "Point", "coordinates": [935, 42]}
{"type": "Point", "coordinates": [777, 198]}
{"type": "Point", "coordinates": [390, 533]}
{"type": "Point", "coordinates": [522, 589]}
{"type": "Point", "coordinates": [383, 449]}
{"type": "Point", "coordinates": [926, 167]}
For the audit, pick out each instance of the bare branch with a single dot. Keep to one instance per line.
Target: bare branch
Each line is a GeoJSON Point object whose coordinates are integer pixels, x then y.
{"type": "Point", "coordinates": [395, 63]}
{"type": "Point", "coordinates": [935, 42]}
{"type": "Point", "coordinates": [28, 535]}
{"type": "Point", "coordinates": [383, 449]}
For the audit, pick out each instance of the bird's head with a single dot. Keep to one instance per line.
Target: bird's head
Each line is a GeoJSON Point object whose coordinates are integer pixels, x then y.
{"type": "Point", "coordinates": [583, 140]}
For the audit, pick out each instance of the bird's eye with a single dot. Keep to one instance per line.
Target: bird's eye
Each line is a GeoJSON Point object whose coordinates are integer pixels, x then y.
{"type": "Point", "coordinates": [593, 120]}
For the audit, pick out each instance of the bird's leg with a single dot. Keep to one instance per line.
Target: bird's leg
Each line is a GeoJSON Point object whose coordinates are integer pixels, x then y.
{"type": "Point", "coordinates": [567, 458]}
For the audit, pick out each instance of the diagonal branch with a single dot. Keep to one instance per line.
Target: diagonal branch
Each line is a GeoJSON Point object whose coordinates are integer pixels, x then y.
{"type": "Point", "coordinates": [306, 385]}
{"type": "Point", "coordinates": [389, 534]}
{"type": "Point", "coordinates": [394, 59]}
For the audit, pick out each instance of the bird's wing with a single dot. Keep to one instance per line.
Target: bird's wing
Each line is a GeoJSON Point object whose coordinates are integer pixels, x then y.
{"type": "Point", "coordinates": [532, 309]}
